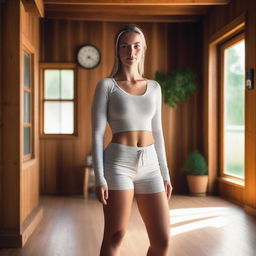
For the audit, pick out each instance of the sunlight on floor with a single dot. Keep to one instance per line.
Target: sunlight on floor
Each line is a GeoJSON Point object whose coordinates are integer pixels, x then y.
{"type": "Point", "coordinates": [198, 217]}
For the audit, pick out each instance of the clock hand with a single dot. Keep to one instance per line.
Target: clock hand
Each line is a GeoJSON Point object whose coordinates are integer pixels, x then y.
{"type": "Point", "coordinates": [89, 57]}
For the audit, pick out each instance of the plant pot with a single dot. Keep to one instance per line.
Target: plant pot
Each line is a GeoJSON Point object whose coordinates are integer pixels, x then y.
{"type": "Point", "coordinates": [197, 184]}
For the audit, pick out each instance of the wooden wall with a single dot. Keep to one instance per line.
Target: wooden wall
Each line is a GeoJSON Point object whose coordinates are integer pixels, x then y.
{"type": "Point", "coordinates": [10, 118]}
{"type": "Point", "coordinates": [19, 198]}
{"type": "Point", "coordinates": [1, 93]}
{"type": "Point", "coordinates": [183, 126]}
{"type": "Point", "coordinates": [215, 23]}
{"type": "Point", "coordinates": [169, 46]}
{"type": "Point", "coordinates": [30, 169]}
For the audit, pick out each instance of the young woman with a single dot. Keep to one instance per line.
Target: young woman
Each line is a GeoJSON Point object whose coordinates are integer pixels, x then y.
{"type": "Point", "coordinates": [134, 162]}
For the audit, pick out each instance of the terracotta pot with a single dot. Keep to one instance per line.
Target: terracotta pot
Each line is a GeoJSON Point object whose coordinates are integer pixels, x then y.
{"type": "Point", "coordinates": [197, 184]}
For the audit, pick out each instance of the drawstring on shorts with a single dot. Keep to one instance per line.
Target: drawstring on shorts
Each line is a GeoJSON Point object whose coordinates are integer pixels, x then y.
{"type": "Point", "coordinates": [141, 156]}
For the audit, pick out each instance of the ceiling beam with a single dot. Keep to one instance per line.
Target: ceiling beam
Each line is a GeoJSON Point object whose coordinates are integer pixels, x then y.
{"type": "Point", "coordinates": [128, 10]}
{"type": "Point", "coordinates": [138, 2]}
{"type": "Point", "coordinates": [123, 18]}
{"type": "Point", "coordinates": [98, 11]}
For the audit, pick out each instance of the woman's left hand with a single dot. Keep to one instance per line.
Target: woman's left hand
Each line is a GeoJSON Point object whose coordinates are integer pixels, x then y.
{"type": "Point", "coordinates": [168, 188]}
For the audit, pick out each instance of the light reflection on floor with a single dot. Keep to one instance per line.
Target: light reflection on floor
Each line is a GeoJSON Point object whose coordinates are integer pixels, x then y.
{"type": "Point", "coordinates": [188, 219]}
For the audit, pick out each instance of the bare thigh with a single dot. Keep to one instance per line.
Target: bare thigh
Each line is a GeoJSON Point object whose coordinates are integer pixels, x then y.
{"type": "Point", "coordinates": [117, 211]}
{"type": "Point", "coordinates": [154, 210]}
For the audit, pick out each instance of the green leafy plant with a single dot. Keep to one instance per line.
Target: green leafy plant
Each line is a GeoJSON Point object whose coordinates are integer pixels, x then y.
{"type": "Point", "coordinates": [195, 164]}
{"type": "Point", "coordinates": [177, 86]}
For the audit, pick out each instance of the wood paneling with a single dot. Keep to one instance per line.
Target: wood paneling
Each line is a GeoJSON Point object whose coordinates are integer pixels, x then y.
{"type": "Point", "coordinates": [29, 178]}
{"type": "Point", "coordinates": [182, 126]}
{"type": "Point", "coordinates": [218, 22]}
{"type": "Point", "coordinates": [10, 118]}
{"type": "Point", "coordinates": [19, 179]}
{"type": "Point", "coordinates": [139, 2]}
{"type": "Point", "coordinates": [1, 99]}
{"type": "Point", "coordinates": [108, 17]}
{"type": "Point", "coordinates": [129, 10]}
{"type": "Point", "coordinates": [36, 7]}
{"type": "Point", "coordinates": [123, 11]}
{"type": "Point", "coordinates": [169, 46]}
{"type": "Point", "coordinates": [231, 191]}
{"type": "Point", "coordinates": [120, 17]}
{"type": "Point", "coordinates": [250, 115]}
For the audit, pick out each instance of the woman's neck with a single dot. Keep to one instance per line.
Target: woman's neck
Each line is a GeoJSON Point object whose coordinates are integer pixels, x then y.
{"type": "Point", "coordinates": [129, 74]}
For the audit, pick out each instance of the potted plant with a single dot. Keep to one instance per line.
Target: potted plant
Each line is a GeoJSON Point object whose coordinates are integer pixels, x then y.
{"type": "Point", "coordinates": [197, 173]}
{"type": "Point", "coordinates": [177, 86]}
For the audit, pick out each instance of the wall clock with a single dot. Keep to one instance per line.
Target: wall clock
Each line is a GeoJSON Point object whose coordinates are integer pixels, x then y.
{"type": "Point", "coordinates": [88, 56]}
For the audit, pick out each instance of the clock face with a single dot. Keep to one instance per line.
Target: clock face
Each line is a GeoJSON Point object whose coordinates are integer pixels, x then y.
{"type": "Point", "coordinates": [88, 56]}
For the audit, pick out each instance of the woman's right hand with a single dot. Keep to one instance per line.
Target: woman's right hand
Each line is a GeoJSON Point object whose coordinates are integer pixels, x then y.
{"type": "Point", "coordinates": [102, 193]}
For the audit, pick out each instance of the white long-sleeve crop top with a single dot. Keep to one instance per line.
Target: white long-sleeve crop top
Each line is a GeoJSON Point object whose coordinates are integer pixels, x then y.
{"type": "Point", "coordinates": [126, 112]}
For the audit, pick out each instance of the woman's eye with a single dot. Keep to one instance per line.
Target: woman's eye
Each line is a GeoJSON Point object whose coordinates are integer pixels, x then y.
{"type": "Point", "coordinates": [137, 46]}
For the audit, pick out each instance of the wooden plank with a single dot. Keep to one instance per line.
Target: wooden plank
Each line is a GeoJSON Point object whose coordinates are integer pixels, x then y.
{"type": "Point", "coordinates": [105, 10]}
{"type": "Point", "coordinates": [76, 226]}
{"type": "Point", "coordinates": [98, 11]}
{"type": "Point", "coordinates": [140, 2]}
{"type": "Point", "coordinates": [10, 127]}
{"type": "Point", "coordinates": [119, 13]}
{"type": "Point", "coordinates": [34, 6]}
{"type": "Point", "coordinates": [228, 29]}
{"type": "Point", "coordinates": [123, 18]}
{"type": "Point", "coordinates": [250, 113]}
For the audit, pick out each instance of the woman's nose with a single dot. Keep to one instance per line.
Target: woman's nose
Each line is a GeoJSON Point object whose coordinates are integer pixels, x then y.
{"type": "Point", "coordinates": [130, 50]}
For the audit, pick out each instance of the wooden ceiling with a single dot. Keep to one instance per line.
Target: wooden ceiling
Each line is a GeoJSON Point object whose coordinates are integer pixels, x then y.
{"type": "Point", "coordinates": [130, 10]}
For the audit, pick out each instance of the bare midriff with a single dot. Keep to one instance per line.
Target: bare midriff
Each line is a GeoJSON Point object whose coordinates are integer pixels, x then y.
{"type": "Point", "coordinates": [134, 138]}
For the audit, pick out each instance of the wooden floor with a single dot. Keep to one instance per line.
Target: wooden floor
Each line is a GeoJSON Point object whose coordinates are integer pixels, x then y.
{"type": "Point", "coordinates": [200, 226]}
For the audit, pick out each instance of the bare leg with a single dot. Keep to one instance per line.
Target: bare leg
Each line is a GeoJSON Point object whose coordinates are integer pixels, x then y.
{"type": "Point", "coordinates": [154, 210]}
{"type": "Point", "coordinates": [116, 215]}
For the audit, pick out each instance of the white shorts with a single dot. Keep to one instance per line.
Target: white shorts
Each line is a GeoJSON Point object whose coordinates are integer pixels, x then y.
{"type": "Point", "coordinates": [129, 167]}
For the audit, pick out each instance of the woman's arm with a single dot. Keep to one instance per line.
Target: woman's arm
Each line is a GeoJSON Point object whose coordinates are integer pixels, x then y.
{"type": "Point", "coordinates": [158, 135]}
{"type": "Point", "coordinates": [99, 121]}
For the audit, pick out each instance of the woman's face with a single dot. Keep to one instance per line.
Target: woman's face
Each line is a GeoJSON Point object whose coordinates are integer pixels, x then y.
{"type": "Point", "coordinates": [130, 48]}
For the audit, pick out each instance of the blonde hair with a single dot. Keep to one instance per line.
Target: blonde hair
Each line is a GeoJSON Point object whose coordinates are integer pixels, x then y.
{"type": "Point", "coordinates": [117, 62]}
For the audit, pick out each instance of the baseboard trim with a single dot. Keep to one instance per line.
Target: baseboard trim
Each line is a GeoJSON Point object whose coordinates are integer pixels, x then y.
{"type": "Point", "coordinates": [12, 239]}
{"type": "Point", "coordinates": [250, 210]}
{"type": "Point", "coordinates": [30, 224]}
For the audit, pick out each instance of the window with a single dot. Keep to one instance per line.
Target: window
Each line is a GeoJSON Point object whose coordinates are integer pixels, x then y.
{"type": "Point", "coordinates": [58, 115]}
{"type": "Point", "coordinates": [27, 105]}
{"type": "Point", "coordinates": [233, 107]}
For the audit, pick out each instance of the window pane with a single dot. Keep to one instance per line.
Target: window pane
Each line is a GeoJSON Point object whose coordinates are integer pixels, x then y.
{"type": "Point", "coordinates": [67, 117]}
{"type": "Point", "coordinates": [51, 84]}
{"type": "Point", "coordinates": [67, 84]}
{"type": "Point", "coordinates": [52, 117]}
{"type": "Point", "coordinates": [26, 140]}
{"type": "Point", "coordinates": [26, 107]}
{"type": "Point", "coordinates": [59, 117]}
{"type": "Point", "coordinates": [234, 93]}
{"type": "Point", "coordinates": [26, 70]}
